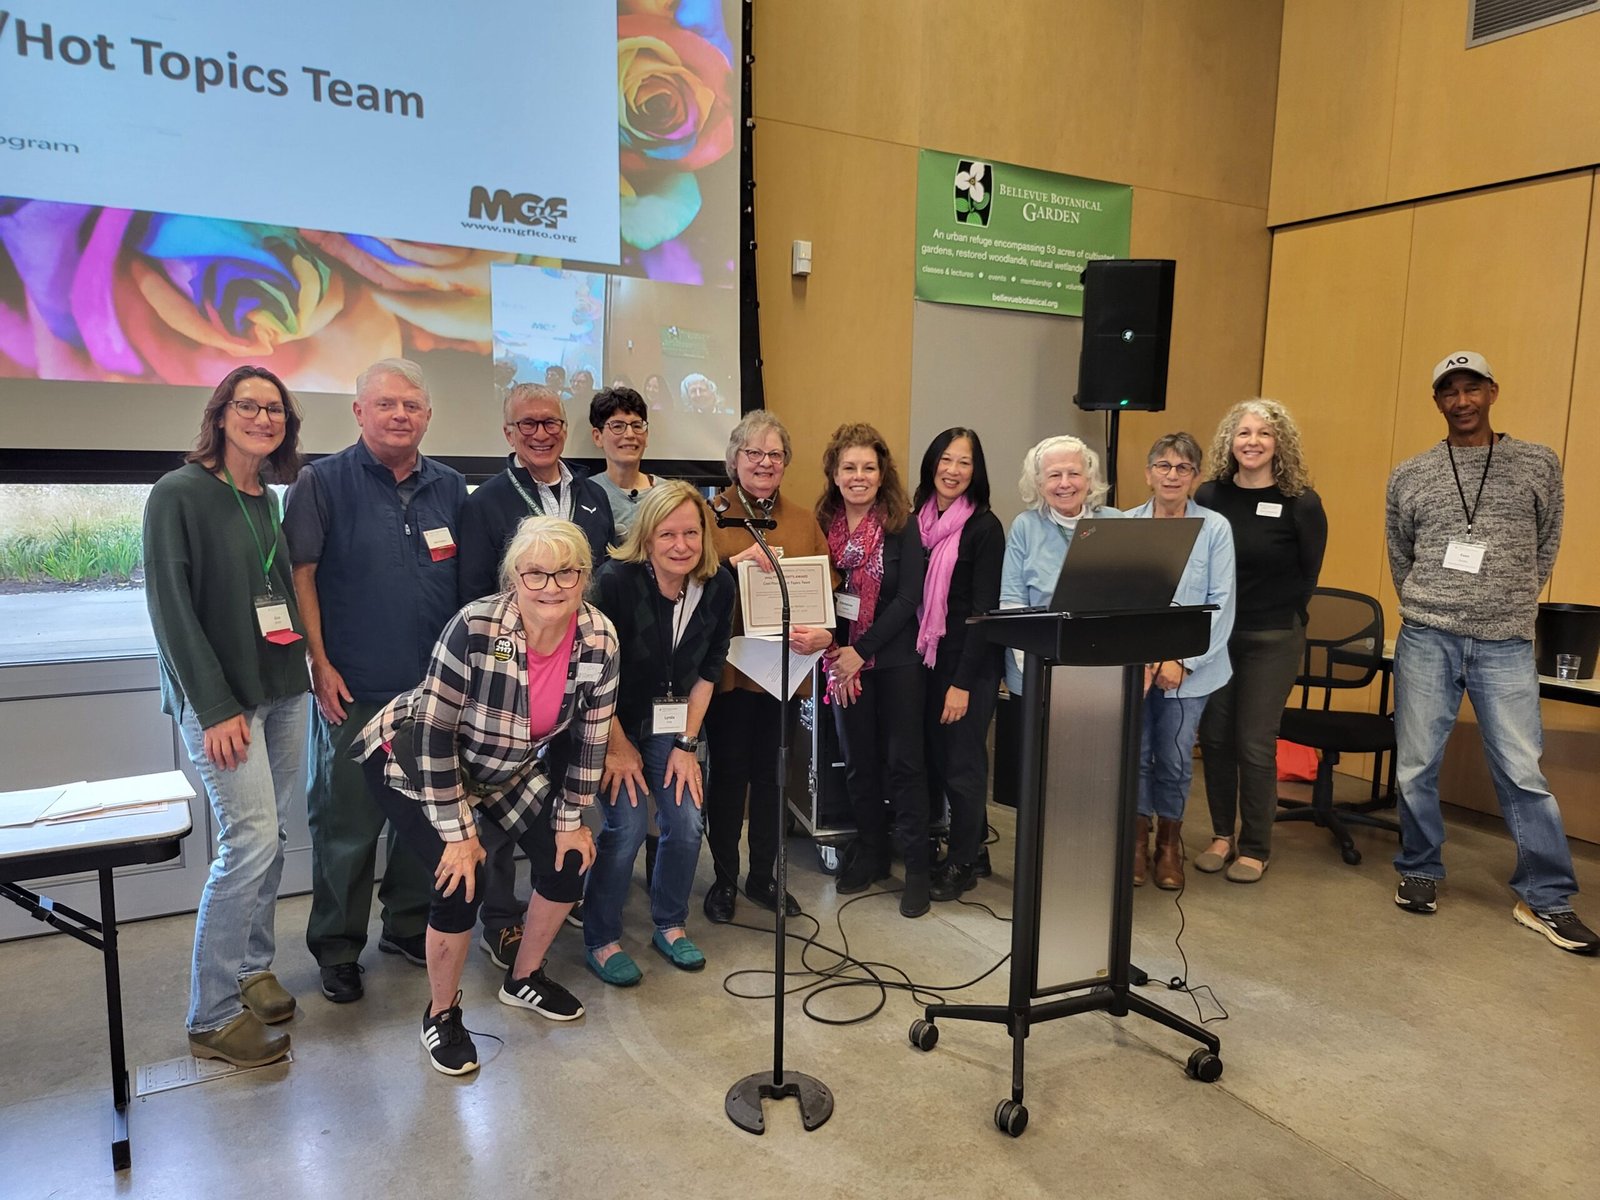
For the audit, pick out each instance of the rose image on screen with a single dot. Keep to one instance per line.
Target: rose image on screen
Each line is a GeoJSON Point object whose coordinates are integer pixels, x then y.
{"type": "Point", "coordinates": [974, 183]}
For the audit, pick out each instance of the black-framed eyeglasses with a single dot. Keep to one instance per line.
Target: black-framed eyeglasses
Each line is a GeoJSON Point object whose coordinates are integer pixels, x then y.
{"type": "Point", "coordinates": [1181, 469]}
{"type": "Point", "coordinates": [756, 457]}
{"type": "Point", "coordinates": [248, 409]}
{"type": "Point", "coordinates": [618, 428]}
{"type": "Point", "coordinates": [532, 425]}
{"type": "Point", "coordinates": [536, 581]}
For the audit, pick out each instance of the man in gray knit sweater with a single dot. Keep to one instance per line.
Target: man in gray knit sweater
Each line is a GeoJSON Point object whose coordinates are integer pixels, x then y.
{"type": "Point", "coordinates": [1473, 527]}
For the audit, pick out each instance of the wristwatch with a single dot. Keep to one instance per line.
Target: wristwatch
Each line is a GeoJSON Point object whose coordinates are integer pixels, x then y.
{"type": "Point", "coordinates": [683, 741]}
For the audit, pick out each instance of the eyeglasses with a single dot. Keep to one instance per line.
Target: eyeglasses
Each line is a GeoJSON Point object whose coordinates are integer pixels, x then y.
{"type": "Point", "coordinates": [532, 425]}
{"type": "Point", "coordinates": [618, 428]}
{"type": "Point", "coordinates": [249, 408]}
{"type": "Point", "coordinates": [536, 581]}
{"type": "Point", "coordinates": [1181, 469]}
{"type": "Point", "coordinates": [756, 457]}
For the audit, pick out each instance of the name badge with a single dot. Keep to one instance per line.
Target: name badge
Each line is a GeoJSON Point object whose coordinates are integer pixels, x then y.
{"type": "Point", "coordinates": [441, 543]}
{"type": "Point", "coordinates": [668, 714]}
{"type": "Point", "coordinates": [589, 672]}
{"type": "Point", "coordinates": [847, 605]}
{"type": "Point", "coordinates": [1267, 509]}
{"type": "Point", "coordinates": [272, 616]}
{"type": "Point", "coordinates": [1464, 556]}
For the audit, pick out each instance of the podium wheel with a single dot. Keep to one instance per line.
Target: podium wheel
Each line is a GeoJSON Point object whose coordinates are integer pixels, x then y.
{"type": "Point", "coordinates": [1011, 1117]}
{"type": "Point", "coordinates": [924, 1034]}
{"type": "Point", "coordinates": [1204, 1066]}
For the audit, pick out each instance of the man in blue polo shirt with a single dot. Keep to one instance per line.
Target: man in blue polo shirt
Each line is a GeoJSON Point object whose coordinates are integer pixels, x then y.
{"type": "Point", "coordinates": [372, 533]}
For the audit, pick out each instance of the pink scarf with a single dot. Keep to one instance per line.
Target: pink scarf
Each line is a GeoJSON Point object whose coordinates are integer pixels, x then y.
{"type": "Point", "coordinates": [860, 556]}
{"type": "Point", "coordinates": [941, 537]}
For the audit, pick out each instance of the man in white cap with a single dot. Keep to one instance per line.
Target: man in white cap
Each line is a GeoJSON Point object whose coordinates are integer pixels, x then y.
{"type": "Point", "coordinates": [1473, 527]}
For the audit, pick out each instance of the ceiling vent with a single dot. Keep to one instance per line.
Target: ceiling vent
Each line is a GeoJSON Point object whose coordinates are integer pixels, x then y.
{"type": "Point", "coordinates": [1491, 20]}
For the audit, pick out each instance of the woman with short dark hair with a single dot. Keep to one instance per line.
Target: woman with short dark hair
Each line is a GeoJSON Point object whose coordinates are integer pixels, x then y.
{"type": "Point", "coordinates": [228, 636]}
{"type": "Point", "coordinates": [1177, 689]}
{"type": "Point", "coordinates": [966, 546]}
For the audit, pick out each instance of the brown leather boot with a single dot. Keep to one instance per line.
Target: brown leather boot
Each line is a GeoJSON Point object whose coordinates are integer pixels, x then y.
{"type": "Point", "coordinates": [1141, 850]}
{"type": "Point", "coordinates": [1169, 854]}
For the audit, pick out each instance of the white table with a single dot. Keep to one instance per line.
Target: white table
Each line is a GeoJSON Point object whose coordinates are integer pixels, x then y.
{"type": "Point", "coordinates": [42, 851]}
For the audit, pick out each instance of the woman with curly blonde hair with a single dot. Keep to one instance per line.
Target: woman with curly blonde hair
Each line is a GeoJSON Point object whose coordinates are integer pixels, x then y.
{"type": "Point", "coordinates": [1260, 484]}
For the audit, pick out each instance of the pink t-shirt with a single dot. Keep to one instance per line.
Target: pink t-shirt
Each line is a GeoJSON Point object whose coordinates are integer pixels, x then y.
{"type": "Point", "coordinates": [547, 684]}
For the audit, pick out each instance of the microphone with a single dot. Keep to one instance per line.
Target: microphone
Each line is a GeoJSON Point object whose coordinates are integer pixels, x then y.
{"type": "Point", "coordinates": [719, 509]}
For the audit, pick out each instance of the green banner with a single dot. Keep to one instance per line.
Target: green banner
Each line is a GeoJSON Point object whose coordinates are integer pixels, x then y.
{"type": "Point", "coordinates": [996, 235]}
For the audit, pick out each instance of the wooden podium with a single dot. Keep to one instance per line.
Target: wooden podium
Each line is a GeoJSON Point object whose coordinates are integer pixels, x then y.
{"type": "Point", "coordinates": [1072, 916]}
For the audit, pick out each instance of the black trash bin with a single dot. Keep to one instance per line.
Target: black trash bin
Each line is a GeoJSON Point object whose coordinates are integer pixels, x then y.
{"type": "Point", "coordinates": [1567, 629]}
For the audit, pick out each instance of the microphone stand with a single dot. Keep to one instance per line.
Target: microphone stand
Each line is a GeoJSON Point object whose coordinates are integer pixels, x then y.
{"type": "Point", "coordinates": [743, 1102]}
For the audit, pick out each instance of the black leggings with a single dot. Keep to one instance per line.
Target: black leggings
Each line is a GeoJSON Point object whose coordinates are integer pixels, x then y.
{"type": "Point", "coordinates": [881, 735]}
{"type": "Point", "coordinates": [455, 913]}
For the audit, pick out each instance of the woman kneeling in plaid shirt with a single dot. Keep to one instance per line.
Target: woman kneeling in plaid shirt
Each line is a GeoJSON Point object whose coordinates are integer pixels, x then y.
{"type": "Point", "coordinates": [480, 737]}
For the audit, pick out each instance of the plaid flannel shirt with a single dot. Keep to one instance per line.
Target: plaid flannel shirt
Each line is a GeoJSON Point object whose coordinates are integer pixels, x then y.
{"type": "Point", "coordinates": [471, 723]}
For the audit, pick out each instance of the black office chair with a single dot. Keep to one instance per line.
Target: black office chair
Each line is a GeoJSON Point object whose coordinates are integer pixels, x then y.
{"type": "Point", "coordinates": [1344, 649]}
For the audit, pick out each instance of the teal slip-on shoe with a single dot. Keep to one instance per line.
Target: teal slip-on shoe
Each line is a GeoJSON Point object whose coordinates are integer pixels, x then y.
{"type": "Point", "coordinates": [683, 953]}
{"type": "Point", "coordinates": [619, 970]}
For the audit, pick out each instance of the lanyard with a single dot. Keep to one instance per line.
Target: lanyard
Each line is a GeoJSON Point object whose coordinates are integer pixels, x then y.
{"type": "Point", "coordinates": [1471, 513]}
{"type": "Point", "coordinates": [535, 506]}
{"type": "Point", "coordinates": [266, 556]}
{"type": "Point", "coordinates": [766, 506]}
{"type": "Point", "coordinates": [674, 628]}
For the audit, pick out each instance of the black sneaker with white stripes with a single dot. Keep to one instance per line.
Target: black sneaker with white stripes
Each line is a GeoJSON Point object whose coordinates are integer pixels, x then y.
{"type": "Point", "coordinates": [1417, 893]}
{"type": "Point", "coordinates": [447, 1042]}
{"type": "Point", "coordinates": [542, 994]}
{"type": "Point", "coordinates": [1563, 928]}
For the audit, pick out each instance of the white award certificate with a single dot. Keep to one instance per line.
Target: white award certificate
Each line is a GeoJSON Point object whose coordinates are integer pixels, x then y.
{"type": "Point", "coordinates": [810, 595]}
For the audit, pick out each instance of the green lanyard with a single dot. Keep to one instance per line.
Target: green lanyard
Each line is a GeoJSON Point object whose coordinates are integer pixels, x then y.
{"type": "Point", "coordinates": [272, 528]}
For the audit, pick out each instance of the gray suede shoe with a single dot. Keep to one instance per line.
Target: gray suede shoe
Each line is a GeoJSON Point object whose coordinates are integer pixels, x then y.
{"type": "Point", "coordinates": [1211, 863]}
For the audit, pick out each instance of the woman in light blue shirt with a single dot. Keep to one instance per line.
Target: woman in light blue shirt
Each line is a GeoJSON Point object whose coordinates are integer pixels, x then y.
{"type": "Point", "coordinates": [1061, 481]}
{"type": "Point", "coordinates": [1179, 688]}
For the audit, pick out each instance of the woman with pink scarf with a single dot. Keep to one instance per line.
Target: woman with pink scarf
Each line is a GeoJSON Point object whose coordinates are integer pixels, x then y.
{"type": "Point", "coordinates": [875, 678]}
{"type": "Point", "coordinates": [966, 545]}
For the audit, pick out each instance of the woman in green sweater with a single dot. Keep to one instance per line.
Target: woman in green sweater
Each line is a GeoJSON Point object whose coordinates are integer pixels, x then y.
{"type": "Point", "coordinates": [233, 676]}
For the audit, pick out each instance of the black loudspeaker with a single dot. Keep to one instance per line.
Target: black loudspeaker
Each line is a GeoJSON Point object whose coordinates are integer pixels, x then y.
{"type": "Point", "coordinates": [1127, 334]}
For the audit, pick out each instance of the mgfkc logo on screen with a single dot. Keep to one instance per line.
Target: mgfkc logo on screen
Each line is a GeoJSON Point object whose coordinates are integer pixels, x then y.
{"type": "Point", "coordinates": [974, 190]}
{"type": "Point", "coordinates": [519, 208]}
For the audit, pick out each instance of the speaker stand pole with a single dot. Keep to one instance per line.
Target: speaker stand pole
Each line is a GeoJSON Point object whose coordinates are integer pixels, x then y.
{"type": "Point", "coordinates": [1112, 429]}
{"type": "Point", "coordinates": [743, 1102]}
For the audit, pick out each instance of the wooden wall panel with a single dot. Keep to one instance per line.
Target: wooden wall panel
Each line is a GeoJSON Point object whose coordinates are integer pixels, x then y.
{"type": "Point", "coordinates": [1505, 110]}
{"type": "Point", "coordinates": [1218, 319]}
{"type": "Point", "coordinates": [1204, 121]}
{"type": "Point", "coordinates": [1336, 86]}
{"type": "Point", "coordinates": [837, 344]}
{"type": "Point", "coordinates": [1499, 272]}
{"type": "Point", "coordinates": [841, 65]}
{"type": "Point", "coordinates": [1038, 82]}
{"type": "Point", "coordinates": [1577, 573]}
{"type": "Point", "coordinates": [1334, 320]}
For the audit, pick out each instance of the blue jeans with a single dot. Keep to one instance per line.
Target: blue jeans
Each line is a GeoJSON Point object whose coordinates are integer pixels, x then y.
{"type": "Point", "coordinates": [622, 833]}
{"type": "Point", "coordinates": [1431, 670]}
{"type": "Point", "coordinates": [233, 931]}
{"type": "Point", "coordinates": [1166, 753]}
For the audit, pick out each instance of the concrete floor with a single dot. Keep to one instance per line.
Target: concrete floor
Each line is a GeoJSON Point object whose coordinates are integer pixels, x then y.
{"type": "Point", "coordinates": [1369, 1053]}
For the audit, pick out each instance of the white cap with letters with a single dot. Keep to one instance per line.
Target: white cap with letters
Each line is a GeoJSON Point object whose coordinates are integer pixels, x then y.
{"type": "Point", "coordinates": [1463, 360]}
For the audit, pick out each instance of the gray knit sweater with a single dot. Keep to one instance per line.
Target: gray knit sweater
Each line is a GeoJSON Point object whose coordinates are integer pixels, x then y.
{"type": "Point", "coordinates": [1518, 520]}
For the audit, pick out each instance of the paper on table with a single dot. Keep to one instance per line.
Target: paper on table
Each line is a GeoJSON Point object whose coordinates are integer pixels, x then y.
{"type": "Point", "coordinates": [134, 791]}
{"type": "Point", "coordinates": [96, 814]}
{"type": "Point", "coordinates": [762, 659]}
{"type": "Point", "coordinates": [24, 808]}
